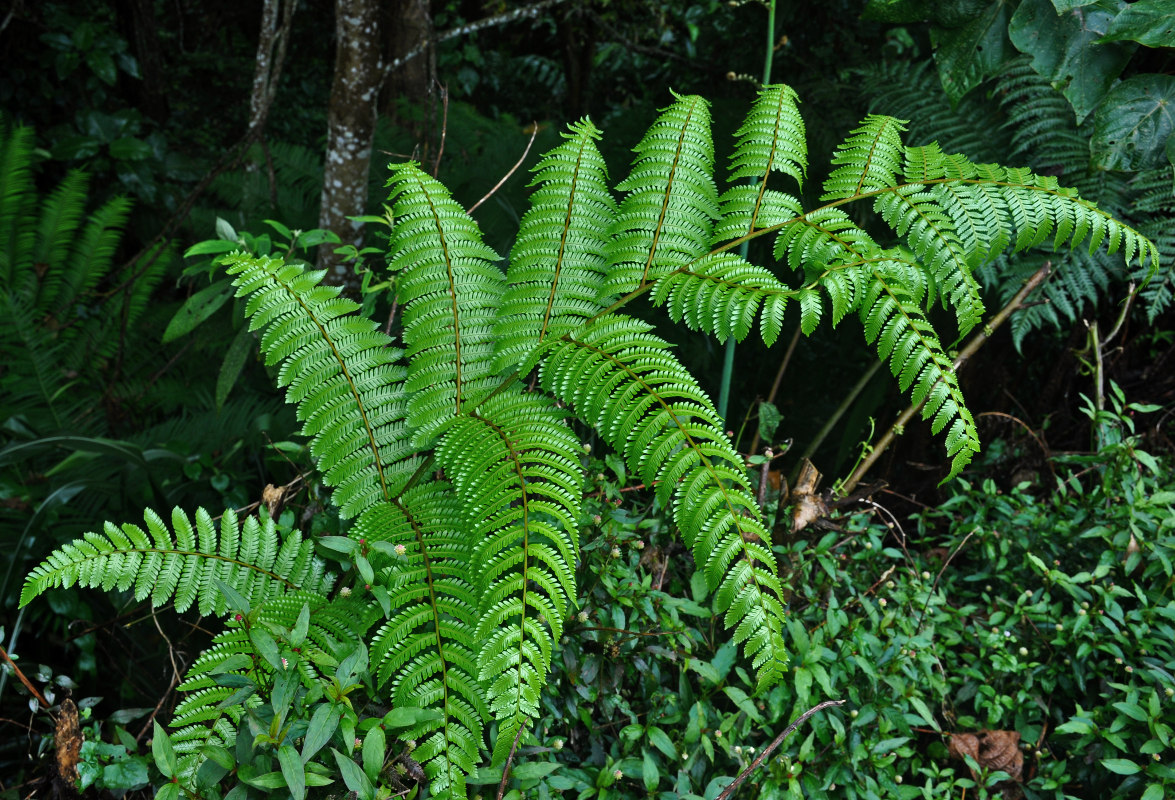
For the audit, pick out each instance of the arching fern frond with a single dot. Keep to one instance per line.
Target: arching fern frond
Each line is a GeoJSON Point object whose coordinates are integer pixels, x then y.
{"type": "Point", "coordinates": [255, 560]}
{"type": "Point", "coordinates": [667, 215]}
{"type": "Point", "coordinates": [722, 293]}
{"type": "Point", "coordinates": [341, 372]}
{"type": "Point", "coordinates": [516, 464]}
{"type": "Point", "coordinates": [451, 289]}
{"type": "Point", "coordinates": [626, 383]}
{"type": "Point", "coordinates": [557, 264]}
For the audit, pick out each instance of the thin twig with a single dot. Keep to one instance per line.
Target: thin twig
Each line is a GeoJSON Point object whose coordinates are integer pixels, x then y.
{"type": "Point", "coordinates": [767, 751]}
{"type": "Point", "coordinates": [791, 348]}
{"type": "Point", "coordinates": [513, 169]}
{"type": "Point", "coordinates": [509, 760]}
{"type": "Point", "coordinates": [436, 165]}
{"type": "Point", "coordinates": [21, 677]}
{"type": "Point", "coordinates": [937, 577]}
{"type": "Point", "coordinates": [175, 678]}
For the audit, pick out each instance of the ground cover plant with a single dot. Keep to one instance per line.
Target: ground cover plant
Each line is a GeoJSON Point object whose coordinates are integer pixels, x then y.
{"type": "Point", "coordinates": [435, 620]}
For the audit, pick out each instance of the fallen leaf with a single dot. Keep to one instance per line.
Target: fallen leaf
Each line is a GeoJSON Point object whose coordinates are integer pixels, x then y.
{"type": "Point", "coordinates": [993, 750]}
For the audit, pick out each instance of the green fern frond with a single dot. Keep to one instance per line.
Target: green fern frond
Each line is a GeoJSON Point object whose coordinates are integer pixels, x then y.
{"type": "Point", "coordinates": [93, 253]}
{"type": "Point", "coordinates": [256, 561]}
{"type": "Point", "coordinates": [427, 649]}
{"type": "Point", "coordinates": [871, 159]}
{"type": "Point", "coordinates": [61, 214]}
{"type": "Point", "coordinates": [771, 139]}
{"type": "Point", "coordinates": [905, 337]}
{"type": "Point", "coordinates": [17, 208]}
{"type": "Point", "coordinates": [516, 464]}
{"type": "Point", "coordinates": [451, 290]}
{"type": "Point", "coordinates": [341, 372]}
{"type": "Point", "coordinates": [557, 264]}
{"type": "Point", "coordinates": [667, 215]}
{"type": "Point", "coordinates": [722, 293]}
{"type": "Point", "coordinates": [624, 381]}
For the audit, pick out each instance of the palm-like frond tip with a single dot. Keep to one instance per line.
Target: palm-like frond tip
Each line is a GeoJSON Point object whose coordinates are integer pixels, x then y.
{"type": "Point", "coordinates": [667, 215]}
{"type": "Point", "coordinates": [557, 264]}
{"type": "Point", "coordinates": [451, 289]}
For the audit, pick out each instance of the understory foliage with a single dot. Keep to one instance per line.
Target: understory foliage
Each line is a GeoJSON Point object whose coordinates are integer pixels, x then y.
{"type": "Point", "coordinates": [458, 450]}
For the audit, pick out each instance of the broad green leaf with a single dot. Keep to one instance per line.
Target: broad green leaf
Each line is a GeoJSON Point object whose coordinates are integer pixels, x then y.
{"type": "Point", "coordinates": [211, 247]}
{"type": "Point", "coordinates": [128, 148]}
{"type": "Point", "coordinates": [292, 770]}
{"type": "Point", "coordinates": [1133, 127]}
{"type": "Point", "coordinates": [323, 724]}
{"type": "Point", "coordinates": [1065, 50]}
{"type": "Point", "coordinates": [234, 362]}
{"type": "Point", "coordinates": [1121, 766]}
{"type": "Point", "coordinates": [969, 53]}
{"type": "Point", "coordinates": [353, 776]}
{"type": "Point", "coordinates": [374, 749]}
{"type": "Point", "coordinates": [163, 752]}
{"type": "Point", "coordinates": [197, 308]}
{"type": "Point", "coordinates": [1148, 22]}
{"type": "Point", "coordinates": [650, 772]}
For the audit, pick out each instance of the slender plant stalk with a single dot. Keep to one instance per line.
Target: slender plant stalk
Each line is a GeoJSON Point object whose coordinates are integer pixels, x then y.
{"type": "Point", "coordinates": [728, 356]}
{"type": "Point", "coordinates": [976, 342]}
{"type": "Point", "coordinates": [844, 406]}
{"type": "Point", "coordinates": [769, 749]}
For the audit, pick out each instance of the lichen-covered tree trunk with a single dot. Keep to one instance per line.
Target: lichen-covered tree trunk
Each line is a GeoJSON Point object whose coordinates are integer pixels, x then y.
{"type": "Point", "coordinates": [351, 127]}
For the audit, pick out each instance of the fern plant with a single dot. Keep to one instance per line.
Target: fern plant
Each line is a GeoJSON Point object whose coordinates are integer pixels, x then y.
{"type": "Point", "coordinates": [459, 455]}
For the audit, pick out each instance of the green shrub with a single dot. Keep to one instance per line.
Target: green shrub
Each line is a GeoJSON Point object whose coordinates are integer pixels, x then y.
{"type": "Point", "coordinates": [1028, 611]}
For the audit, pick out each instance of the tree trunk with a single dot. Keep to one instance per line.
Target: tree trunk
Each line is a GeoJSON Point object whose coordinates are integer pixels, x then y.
{"type": "Point", "coordinates": [409, 30]}
{"type": "Point", "coordinates": [350, 130]}
{"type": "Point", "coordinates": [137, 22]}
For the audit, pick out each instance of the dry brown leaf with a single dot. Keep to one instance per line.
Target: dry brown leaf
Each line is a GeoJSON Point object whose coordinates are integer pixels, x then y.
{"type": "Point", "coordinates": [69, 741]}
{"type": "Point", "coordinates": [994, 750]}
{"type": "Point", "coordinates": [807, 506]}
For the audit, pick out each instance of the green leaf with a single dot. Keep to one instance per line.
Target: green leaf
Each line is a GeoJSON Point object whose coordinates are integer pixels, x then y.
{"type": "Point", "coordinates": [1148, 22]}
{"type": "Point", "coordinates": [323, 724]}
{"type": "Point", "coordinates": [661, 741]}
{"type": "Point", "coordinates": [211, 247]}
{"type": "Point", "coordinates": [532, 770]}
{"type": "Point", "coordinates": [374, 750]}
{"type": "Point", "coordinates": [128, 148]}
{"type": "Point", "coordinates": [234, 362]}
{"type": "Point", "coordinates": [769, 419]}
{"type": "Point", "coordinates": [1153, 792]}
{"type": "Point", "coordinates": [353, 776]}
{"type": "Point", "coordinates": [1134, 125]}
{"type": "Point", "coordinates": [266, 646]}
{"type": "Point", "coordinates": [102, 64]}
{"type": "Point", "coordinates": [163, 752]}
{"type": "Point", "coordinates": [1065, 49]}
{"type": "Point", "coordinates": [292, 770]}
{"type": "Point", "coordinates": [170, 791]}
{"type": "Point", "coordinates": [236, 600]}
{"type": "Point", "coordinates": [1121, 766]}
{"type": "Point", "coordinates": [225, 230]}
{"type": "Point", "coordinates": [197, 308]}
{"type": "Point", "coordinates": [968, 54]}
{"type": "Point", "coordinates": [650, 772]}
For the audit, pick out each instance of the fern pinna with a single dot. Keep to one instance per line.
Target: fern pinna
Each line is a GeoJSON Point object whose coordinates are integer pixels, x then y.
{"type": "Point", "coordinates": [456, 456]}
